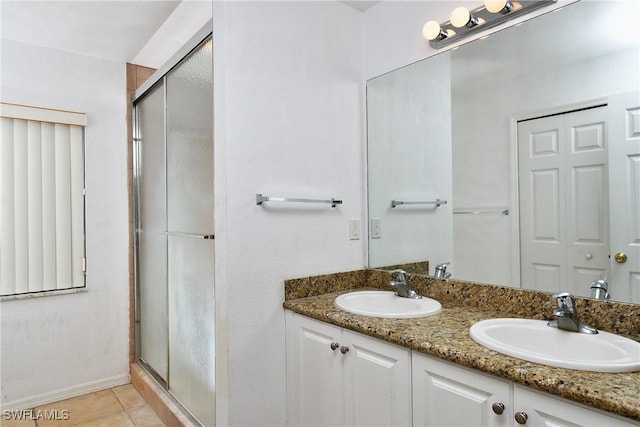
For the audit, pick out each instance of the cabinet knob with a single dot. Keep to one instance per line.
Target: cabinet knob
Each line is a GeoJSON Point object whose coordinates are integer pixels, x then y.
{"type": "Point", "coordinates": [521, 417]}
{"type": "Point", "coordinates": [334, 345]}
{"type": "Point", "coordinates": [498, 408]}
{"type": "Point", "coordinates": [344, 349]}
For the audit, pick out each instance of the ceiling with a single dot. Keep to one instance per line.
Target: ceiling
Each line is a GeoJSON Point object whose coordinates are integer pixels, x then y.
{"type": "Point", "coordinates": [112, 29]}
{"type": "Point", "coordinates": [115, 30]}
{"type": "Point", "coordinates": [361, 5]}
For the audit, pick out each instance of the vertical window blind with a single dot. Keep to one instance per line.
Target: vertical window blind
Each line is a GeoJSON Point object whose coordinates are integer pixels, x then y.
{"type": "Point", "coordinates": [42, 243]}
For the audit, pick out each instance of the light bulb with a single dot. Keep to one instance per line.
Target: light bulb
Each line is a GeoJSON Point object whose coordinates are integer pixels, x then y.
{"type": "Point", "coordinates": [460, 17]}
{"type": "Point", "coordinates": [498, 6]}
{"type": "Point", "coordinates": [432, 31]}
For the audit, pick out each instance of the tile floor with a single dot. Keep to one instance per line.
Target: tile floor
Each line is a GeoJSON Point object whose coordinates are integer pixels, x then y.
{"type": "Point", "coordinates": [118, 407]}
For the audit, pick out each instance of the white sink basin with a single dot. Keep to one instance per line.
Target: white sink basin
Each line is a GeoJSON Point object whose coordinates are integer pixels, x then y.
{"type": "Point", "coordinates": [534, 341]}
{"type": "Point", "coordinates": [387, 304]}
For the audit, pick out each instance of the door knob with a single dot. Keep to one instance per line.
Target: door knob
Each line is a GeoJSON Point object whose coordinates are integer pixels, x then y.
{"type": "Point", "coordinates": [334, 345]}
{"type": "Point", "coordinates": [620, 257]}
{"type": "Point", "coordinates": [344, 349]}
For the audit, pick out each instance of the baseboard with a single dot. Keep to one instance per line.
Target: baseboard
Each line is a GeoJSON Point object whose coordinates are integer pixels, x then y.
{"type": "Point", "coordinates": [65, 393]}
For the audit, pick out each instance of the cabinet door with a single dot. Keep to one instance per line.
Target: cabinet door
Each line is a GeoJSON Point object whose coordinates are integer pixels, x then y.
{"type": "Point", "coordinates": [314, 373]}
{"type": "Point", "coordinates": [545, 410]}
{"type": "Point", "coordinates": [448, 395]}
{"type": "Point", "coordinates": [377, 382]}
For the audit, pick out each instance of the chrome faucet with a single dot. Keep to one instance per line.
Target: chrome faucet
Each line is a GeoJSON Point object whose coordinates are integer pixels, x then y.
{"type": "Point", "coordinates": [441, 271]}
{"type": "Point", "coordinates": [400, 283]}
{"type": "Point", "coordinates": [600, 289]}
{"type": "Point", "coordinates": [567, 316]}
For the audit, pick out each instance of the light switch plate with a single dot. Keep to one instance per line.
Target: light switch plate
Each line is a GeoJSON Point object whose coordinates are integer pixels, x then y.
{"type": "Point", "coordinates": [376, 228]}
{"type": "Point", "coordinates": [354, 229]}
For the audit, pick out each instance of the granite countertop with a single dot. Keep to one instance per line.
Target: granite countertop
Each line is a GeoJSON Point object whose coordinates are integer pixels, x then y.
{"type": "Point", "coordinates": [446, 336]}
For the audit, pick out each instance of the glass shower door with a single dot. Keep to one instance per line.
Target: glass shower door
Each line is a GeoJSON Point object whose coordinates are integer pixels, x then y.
{"type": "Point", "coordinates": [151, 238]}
{"type": "Point", "coordinates": [174, 234]}
{"type": "Point", "coordinates": [190, 229]}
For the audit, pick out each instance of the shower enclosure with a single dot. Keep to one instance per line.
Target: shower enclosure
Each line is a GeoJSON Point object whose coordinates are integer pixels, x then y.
{"type": "Point", "coordinates": [174, 246]}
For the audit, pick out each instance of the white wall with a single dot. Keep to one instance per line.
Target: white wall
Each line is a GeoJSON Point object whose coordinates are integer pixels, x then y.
{"type": "Point", "coordinates": [288, 122]}
{"type": "Point", "coordinates": [393, 32]}
{"type": "Point", "coordinates": [57, 346]}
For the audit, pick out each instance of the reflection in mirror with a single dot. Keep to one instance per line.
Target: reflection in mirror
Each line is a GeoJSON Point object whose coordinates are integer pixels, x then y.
{"type": "Point", "coordinates": [408, 116]}
{"type": "Point", "coordinates": [529, 136]}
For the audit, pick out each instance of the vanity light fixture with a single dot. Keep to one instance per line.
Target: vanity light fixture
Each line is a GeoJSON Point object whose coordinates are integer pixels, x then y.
{"type": "Point", "coordinates": [463, 21]}
{"type": "Point", "coordinates": [433, 31]}
{"type": "Point", "coordinates": [499, 6]}
{"type": "Point", "coordinates": [461, 17]}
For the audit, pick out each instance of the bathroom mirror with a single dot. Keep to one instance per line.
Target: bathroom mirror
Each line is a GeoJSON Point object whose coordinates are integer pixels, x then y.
{"type": "Point", "coordinates": [466, 140]}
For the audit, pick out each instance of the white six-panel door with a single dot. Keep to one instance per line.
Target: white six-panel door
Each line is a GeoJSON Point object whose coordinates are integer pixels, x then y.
{"type": "Point", "coordinates": [564, 201]}
{"type": "Point", "coordinates": [624, 163]}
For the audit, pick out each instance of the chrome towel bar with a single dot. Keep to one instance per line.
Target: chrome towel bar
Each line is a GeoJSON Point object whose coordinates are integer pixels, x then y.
{"type": "Point", "coordinates": [481, 212]}
{"type": "Point", "coordinates": [260, 199]}
{"type": "Point", "coordinates": [177, 234]}
{"type": "Point", "coordinates": [436, 202]}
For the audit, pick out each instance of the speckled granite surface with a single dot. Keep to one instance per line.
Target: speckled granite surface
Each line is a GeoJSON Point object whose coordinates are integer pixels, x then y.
{"type": "Point", "coordinates": [419, 267]}
{"type": "Point", "coordinates": [446, 335]}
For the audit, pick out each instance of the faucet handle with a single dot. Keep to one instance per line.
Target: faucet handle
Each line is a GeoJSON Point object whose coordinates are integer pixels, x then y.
{"type": "Point", "coordinates": [441, 271]}
{"type": "Point", "coordinates": [399, 275]}
{"type": "Point", "coordinates": [566, 301]}
{"type": "Point", "coordinates": [600, 289]}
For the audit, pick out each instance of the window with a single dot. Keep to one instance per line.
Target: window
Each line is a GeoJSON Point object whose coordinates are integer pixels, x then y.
{"type": "Point", "coordinates": [42, 242]}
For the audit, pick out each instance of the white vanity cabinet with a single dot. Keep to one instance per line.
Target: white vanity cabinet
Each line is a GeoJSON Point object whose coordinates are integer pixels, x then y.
{"type": "Point", "coordinates": [448, 395]}
{"type": "Point", "coordinates": [445, 394]}
{"type": "Point", "coordinates": [544, 410]}
{"type": "Point", "coordinates": [336, 377]}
